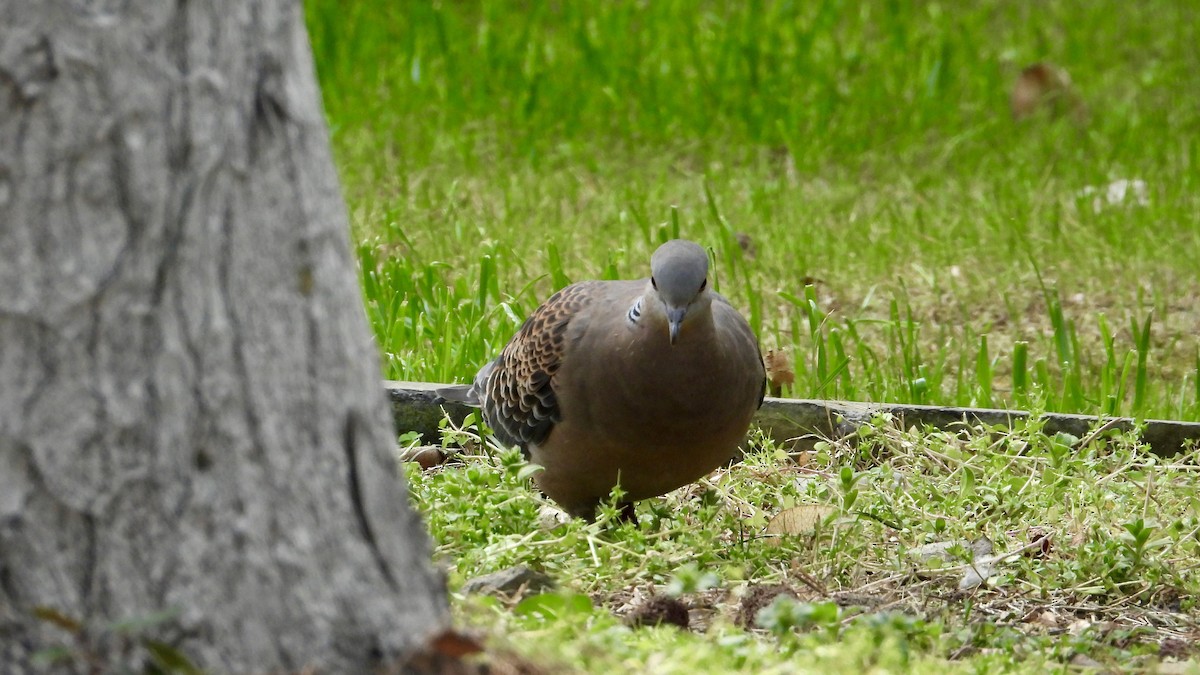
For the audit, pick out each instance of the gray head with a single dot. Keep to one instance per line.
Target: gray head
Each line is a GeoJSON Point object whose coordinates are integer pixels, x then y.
{"type": "Point", "coordinates": [679, 275]}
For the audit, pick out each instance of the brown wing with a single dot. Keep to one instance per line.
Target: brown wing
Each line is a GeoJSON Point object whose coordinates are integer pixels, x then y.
{"type": "Point", "coordinates": [520, 404]}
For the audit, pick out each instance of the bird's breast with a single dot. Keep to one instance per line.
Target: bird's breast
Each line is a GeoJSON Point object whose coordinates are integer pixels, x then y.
{"type": "Point", "coordinates": [681, 391]}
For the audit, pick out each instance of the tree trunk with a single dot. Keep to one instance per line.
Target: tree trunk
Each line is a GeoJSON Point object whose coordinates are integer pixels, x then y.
{"type": "Point", "coordinates": [193, 434]}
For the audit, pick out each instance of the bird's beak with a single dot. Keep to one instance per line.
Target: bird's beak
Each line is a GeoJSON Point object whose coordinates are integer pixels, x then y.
{"type": "Point", "coordinates": [674, 321]}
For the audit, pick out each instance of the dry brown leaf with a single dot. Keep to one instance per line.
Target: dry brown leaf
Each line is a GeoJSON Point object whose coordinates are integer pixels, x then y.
{"type": "Point", "coordinates": [443, 653]}
{"type": "Point", "coordinates": [455, 644]}
{"type": "Point", "coordinates": [779, 371]}
{"type": "Point", "coordinates": [798, 520]}
{"type": "Point", "coordinates": [1045, 86]}
{"type": "Point", "coordinates": [1045, 543]}
{"type": "Point", "coordinates": [1049, 619]}
{"type": "Point", "coordinates": [427, 456]}
{"type": "Point", "coordinates": [1078, 626]}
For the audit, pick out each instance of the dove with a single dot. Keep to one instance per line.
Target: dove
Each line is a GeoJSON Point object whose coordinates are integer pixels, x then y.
{"type": "Point", "coordinates": [649, 384]}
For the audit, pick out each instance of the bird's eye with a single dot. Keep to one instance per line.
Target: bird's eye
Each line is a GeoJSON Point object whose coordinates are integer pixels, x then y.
{"type": "Point", "coordinates": [704, 284]}
{"type": "Point", "coordinates": [654, 283]}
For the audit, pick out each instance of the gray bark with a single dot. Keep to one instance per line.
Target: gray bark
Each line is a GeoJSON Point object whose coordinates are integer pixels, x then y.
{"type": "Point", "coordinates": [175, 273]}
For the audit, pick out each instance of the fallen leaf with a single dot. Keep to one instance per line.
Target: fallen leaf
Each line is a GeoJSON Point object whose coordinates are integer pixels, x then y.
{"type": "Point", "coordinates": [779, 371]}
{"type": "Point", "coordinates": [443, 653]}
{"type": "Point", "coordinates": [455, 644]}
{"type": "Point", "coordinates": [1045, 86]}
{"type": "Point", "coordinates": [798, 520]}
{"type": "Point", "coordinates": [427, 456]}
{"type": "Point", "coordinates": [1078, 626]}
{"type": "Point", "coordinates": [1045, 543]}
{"type": "Point", "coordinates": [1049, 619]}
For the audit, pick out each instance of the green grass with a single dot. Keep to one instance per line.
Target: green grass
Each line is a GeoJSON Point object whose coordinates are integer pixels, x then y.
{"type": "Point", "coordinates": [491, 155]}
{"type": "Point", "coordinates": [911, 243]}
{"type": "Point", "coordinates": [1116, 578]}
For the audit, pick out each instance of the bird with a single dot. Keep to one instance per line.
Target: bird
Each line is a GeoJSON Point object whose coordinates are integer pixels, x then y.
{"type": "Point", "coordinates": [650, 384]}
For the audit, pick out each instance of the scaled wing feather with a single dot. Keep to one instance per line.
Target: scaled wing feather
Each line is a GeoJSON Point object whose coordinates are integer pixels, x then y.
{"type": "Point", "coordinates": [521, 405]}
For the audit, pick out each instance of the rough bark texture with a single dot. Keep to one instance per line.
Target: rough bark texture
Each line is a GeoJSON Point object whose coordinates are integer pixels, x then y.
{"type": "Point", "coordinates": [175, 272]}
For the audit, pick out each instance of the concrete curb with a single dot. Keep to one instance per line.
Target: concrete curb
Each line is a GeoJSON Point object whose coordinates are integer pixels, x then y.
{"type": "Point", "coordinates": [416, 408]}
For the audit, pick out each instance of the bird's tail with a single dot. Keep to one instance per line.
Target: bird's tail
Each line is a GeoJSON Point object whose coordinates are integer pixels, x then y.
{"type": "Point", "coordinates": [459, 393]}
{"type": "Point", "coordinates": [471, 394]}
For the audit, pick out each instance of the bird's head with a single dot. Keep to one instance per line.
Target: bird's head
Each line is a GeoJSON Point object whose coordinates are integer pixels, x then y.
{"type": "Point", "coordinates": [679, 279]}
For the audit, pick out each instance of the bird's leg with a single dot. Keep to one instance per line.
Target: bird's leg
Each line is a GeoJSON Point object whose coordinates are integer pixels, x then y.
{"type": "Point", "coordinates": [627, 514]}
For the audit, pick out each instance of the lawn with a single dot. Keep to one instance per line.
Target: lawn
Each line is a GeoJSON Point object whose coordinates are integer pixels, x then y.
{"type": "Point", "coordinates": [878, 215]}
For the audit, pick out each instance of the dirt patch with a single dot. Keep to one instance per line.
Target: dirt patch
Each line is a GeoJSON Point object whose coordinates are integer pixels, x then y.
{"type": "Point", "coordinates": [659, 610]}
{"type": "Point", "coordinates": [758, 597]}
